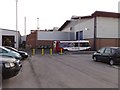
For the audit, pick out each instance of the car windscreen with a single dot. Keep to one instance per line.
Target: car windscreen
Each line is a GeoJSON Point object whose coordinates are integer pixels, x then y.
{"type": "Point", "coordinates": [13, 49]}
{"type": "Point", "coordinates": [66, 45]}
{"type": "Point", "coordinates": [5, 49]}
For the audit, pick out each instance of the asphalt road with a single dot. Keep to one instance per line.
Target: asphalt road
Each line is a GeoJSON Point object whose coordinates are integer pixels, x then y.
{"type": "Point", "coordinates": [64, 71]}
{"type": "Point", "coordinates": [25, 79]}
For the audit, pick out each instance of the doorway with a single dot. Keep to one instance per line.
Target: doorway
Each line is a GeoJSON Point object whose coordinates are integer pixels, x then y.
{"type": "Point", "coordinates": [8, 41]}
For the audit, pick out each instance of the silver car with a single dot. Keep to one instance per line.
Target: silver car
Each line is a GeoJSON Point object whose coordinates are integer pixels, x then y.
{"type": "Point", "coordinates": [6, 52]}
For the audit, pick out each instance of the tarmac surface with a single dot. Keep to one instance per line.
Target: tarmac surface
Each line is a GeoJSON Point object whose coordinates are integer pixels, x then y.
{"type": "Point", "coordinates": [64, 71]}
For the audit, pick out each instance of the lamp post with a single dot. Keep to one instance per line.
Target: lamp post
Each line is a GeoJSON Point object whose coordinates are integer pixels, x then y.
{"type": "Point", "coordinates": [16, 21]}
{"type": "Point", "coordinates": [16, 15]}
{"type": "Point", "coordinates": [37, 23]}
{"type": "Point", "coordinates": [25, 25]}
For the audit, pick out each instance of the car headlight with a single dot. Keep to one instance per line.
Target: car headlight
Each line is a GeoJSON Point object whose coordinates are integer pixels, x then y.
{"type": "Point", "coordinates": [9, 65]}
{"type": "Point", "coordinates": [26, 54]}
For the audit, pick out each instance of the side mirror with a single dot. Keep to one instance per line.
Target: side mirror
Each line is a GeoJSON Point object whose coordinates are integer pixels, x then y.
{"type": "Point", "coordinates": [98, 51]}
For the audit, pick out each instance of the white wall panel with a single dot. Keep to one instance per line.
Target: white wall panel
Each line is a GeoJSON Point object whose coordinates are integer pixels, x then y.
{"type": "Point", "coordinates": [107, 27]}
{"type": "Point", "coordinates": [71, 24]}
{"type": "Point", "coordinates": [11, 33]}
{"type": "Point", "coordinates": [66, 29]}
{"type": "Point", "coordinates": [89, 24]}
{"type": "Point", "coordinates": [41, 35]}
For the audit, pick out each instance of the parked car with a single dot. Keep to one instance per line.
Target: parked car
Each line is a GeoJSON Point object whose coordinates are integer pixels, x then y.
{"type": "Point", "coordinates": [6, 52]}
{"type": "Point", "coordinates": [22, 53]}
{"type": "Point", "coordinates": [10, 66]}
{"type": "Point", "coordinates": [110, 55]}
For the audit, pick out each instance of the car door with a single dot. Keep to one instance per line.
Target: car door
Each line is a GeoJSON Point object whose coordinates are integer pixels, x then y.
{"type": "Point", "coordinates": [116, 55]}
{"type": "Point", "coordinates": [99, 53]}
{"type": "Point", "coordinates": [106, 54]}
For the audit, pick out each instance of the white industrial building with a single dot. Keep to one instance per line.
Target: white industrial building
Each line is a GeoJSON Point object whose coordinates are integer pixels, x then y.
{"type": "Point", "coordinates": [100, 28]}
{"type": "Point", "coordinates": [9, 38]}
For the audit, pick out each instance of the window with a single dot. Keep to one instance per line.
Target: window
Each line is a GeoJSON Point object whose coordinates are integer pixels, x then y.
{"type": "Point", "coordinates": [3, 51]}
{"type": "Point", "coordinates": [84, 44]}
{"type": "Point", "coordinates": [0, 50]}
{"type": "Point", "coordinates": [101, 50]}
{"type": "Point", "coordinates": [76, 44]}
{"type": "Point", "coordinates": [107, 50]}
{"type": "Point", "coordinates": [64, 44]}
{"type": "Point", "coordinates": [118, 52]}
{"type": "Point", "coordinates": [113, 51]}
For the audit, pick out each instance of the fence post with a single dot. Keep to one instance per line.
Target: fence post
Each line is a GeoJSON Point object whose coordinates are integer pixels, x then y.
{"type": "Point", "coordinates": [61, 51]}
{"type": "Point", "coordinates": [50, 51]}
{"type": "Point", "coordinates": [33, 51]}
{"type": "Point", "coordinates": [42, 51]}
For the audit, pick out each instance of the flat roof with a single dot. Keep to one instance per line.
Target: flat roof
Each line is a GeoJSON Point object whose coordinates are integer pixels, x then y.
{"type": "Point", "coordinates": [8, 30]}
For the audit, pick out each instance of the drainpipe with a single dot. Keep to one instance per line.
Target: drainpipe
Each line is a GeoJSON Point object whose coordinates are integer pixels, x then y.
{"type": "Point", "coordinates": [95, 30]}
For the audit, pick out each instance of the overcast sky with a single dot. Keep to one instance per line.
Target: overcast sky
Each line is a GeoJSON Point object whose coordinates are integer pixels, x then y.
{"type": "Point", "coordinates": [51, 13]}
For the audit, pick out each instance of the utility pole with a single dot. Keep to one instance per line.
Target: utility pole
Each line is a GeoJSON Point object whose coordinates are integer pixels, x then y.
{"type": "Point", "coordinates": [16, 15]}
{"type": "Point", "coordinates": [24, 25]}
{"type": "Point", "coordinates": [16, 22]}
{"type": "Point", "coordinates": [95, 33]}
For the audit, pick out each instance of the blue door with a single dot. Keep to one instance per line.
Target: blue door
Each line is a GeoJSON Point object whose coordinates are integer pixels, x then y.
{"type": "Point", "coordinates": [76, 35]}
{"type": "Point", "coordinates": [79, 35]}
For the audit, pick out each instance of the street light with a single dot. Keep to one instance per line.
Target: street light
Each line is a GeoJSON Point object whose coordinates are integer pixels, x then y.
{"type": "Point", "coordinates": [16, 22]}
{"type": "Point", "coordinates": [37, 23]}
{"type": "Point", "coordinates": [16, 15]}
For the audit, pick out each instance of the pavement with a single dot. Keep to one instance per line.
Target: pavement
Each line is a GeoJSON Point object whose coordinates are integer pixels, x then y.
{"type": "Point", "coordinates": [25, 79]}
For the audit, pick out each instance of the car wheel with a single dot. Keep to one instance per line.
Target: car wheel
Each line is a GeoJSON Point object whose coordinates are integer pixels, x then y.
{"type": "Point", "coordinates": [111, 62]}
{"type": "Point", "coordinates": [95, 59]}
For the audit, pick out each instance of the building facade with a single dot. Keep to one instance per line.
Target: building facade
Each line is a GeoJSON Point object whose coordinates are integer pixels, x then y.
{"type": "Point", "coordinates": [9, 38]}
{"type": "Point", "coordinates": [100, 28]}
{"type": "Point", "coordinates": [39, 38]}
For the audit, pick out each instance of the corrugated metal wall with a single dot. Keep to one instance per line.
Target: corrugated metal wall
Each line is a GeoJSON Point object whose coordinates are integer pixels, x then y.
{"type": "Point", "coordinates": [41, 35]}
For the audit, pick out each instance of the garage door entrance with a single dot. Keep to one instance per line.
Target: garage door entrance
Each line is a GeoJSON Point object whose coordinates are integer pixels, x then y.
{"type": "Point", "coordinates": [8, 41]}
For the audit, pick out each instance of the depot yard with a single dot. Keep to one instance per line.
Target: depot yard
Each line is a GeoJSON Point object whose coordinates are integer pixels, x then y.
{"type": "Point", "coordinates": [64, 71]}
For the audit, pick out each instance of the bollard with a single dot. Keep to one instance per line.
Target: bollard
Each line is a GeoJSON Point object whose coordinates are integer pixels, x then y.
{"type": "Point", "coordinates": [61, 51]}
{"type": "Point", "coordinates": [33, 51]}
{"type": "Point", "coordinates": [42, 51]}
{"type": "Point", "coordinates": [50, 51]}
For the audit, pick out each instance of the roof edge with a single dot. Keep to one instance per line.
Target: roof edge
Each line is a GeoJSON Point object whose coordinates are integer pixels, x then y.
{"type": "Point", "coordinates": [65, 24]}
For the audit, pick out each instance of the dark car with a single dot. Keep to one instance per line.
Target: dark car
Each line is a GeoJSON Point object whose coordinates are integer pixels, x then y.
{"type": "Point", "coordinates": [22, 53]}
{"type": "Point", "coordinates": [109, 55]}
{"type": "Point", "coordinates": [10, 66]}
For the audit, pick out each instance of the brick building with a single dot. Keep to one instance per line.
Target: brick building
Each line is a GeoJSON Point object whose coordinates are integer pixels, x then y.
{"type": "Point", "coordinates": [38, 38]}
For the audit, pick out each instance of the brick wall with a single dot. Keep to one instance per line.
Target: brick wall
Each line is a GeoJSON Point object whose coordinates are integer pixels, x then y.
{"type": "Point", "coordinates": [31, 40]}
{"type": "Point", "coordinates": [103, 42]}
{"type": "Point", "coordinates": [44, 43]}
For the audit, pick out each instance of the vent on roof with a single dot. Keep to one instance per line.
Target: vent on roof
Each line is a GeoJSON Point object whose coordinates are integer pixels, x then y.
{"type": "Point", "coordinates": [75, 17]}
